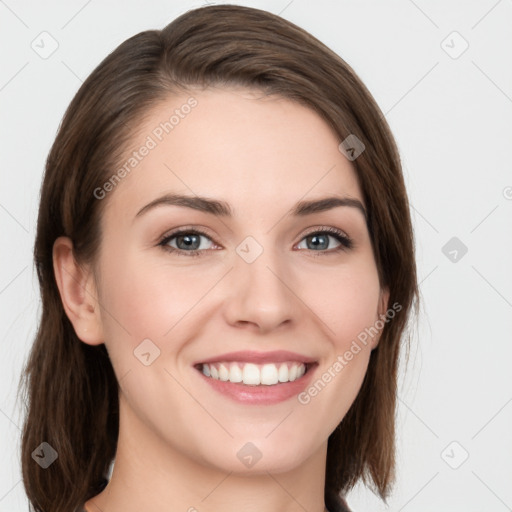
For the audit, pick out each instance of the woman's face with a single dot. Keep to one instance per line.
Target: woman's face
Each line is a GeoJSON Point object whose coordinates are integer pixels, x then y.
{"type": "Point", "coordinates": [272, 269]}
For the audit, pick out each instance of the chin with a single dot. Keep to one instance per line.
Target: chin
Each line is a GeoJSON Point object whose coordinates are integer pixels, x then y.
{"type": "Point", "coordinates": [258, 457]}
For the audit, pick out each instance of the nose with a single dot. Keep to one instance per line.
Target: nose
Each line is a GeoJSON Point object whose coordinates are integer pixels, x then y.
{"type": "Point", "coordinates": [261, 294]}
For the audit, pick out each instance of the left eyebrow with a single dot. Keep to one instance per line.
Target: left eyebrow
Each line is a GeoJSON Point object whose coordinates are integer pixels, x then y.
{"type": "Point", "coordinates": [223, 209]}
{"type": "Point", "coordinates": [321, 205]}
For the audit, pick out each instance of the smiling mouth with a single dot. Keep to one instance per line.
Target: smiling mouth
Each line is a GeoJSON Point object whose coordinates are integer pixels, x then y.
{"type": "Point", "coordinates": [250, 374]}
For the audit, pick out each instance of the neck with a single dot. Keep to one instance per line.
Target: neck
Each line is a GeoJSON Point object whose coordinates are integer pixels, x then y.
{"type": "Point", "coordinates": [152, 476]}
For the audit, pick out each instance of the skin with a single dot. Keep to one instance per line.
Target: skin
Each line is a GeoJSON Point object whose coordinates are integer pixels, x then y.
{"type": "Point", "coordinates": [179, 438]}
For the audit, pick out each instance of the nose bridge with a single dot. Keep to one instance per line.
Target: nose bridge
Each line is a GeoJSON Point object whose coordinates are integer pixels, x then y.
{"type": "Point", "coordinates": [257, 291]}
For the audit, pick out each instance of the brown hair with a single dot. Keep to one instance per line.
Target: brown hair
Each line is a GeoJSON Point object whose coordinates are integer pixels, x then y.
{"type": "Point", "coordinates": [71, 388]}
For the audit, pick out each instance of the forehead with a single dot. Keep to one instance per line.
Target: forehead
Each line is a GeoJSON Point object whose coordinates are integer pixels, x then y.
{"type": "Point", "coordinates": [251, 150]}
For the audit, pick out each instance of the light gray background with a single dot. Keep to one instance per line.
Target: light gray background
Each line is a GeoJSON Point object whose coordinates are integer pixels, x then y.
{"type": "Point", "coordinates": [452, 121]}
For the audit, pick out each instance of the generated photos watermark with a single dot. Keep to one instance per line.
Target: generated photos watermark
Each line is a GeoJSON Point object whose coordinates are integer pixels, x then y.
{"type": "Point", "coordinates": [152, 140]}
{"type": "Point", "coordinates": [343, 359]}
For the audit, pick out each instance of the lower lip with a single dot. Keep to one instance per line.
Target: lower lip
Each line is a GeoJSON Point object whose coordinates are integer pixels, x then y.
{"type": "Point", "coordinates": [262, 394]}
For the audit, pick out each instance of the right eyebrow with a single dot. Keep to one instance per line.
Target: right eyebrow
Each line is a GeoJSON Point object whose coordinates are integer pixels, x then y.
{"type": "Point", "coordinates": [203, 204]}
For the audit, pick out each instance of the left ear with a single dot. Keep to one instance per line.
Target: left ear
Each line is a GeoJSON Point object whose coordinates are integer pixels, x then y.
{"type": "Point", "coordinates": [381, 313]}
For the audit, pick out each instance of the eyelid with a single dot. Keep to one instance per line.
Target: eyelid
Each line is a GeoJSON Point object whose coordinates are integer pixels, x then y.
{"type": "Point", "coordinates": [200, 230]}
{"type": "Point", "coordinates": [328, 229]}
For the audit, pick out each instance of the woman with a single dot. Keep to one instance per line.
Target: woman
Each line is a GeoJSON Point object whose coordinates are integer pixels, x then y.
{"type": "Point", "coordinates": [226, 264]}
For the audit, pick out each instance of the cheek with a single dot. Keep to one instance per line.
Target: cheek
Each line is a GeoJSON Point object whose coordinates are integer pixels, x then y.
{"type": "Point", "coordinates": [346, 301]}
{"type": "Point", "coordinates": [147, 299]}
{"type": "Point", "coordinates": [348, 310]}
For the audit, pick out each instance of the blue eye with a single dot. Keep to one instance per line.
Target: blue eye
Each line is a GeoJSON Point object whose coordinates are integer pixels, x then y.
{"type": "Point", "coordinates": [320, 241]}
{"type": "Point", "coordinates": [188, 242]}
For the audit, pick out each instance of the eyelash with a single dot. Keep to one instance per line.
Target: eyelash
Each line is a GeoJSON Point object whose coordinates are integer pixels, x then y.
{"type": "Point", "coordinates": [346, 243]}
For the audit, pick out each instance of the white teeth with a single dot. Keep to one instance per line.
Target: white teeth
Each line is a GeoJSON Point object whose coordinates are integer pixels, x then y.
{"type": "Point", "coordinates": [269, 374]}
{"type": "Point", "coordinates": [223, 373]}
{"type": "Point", "coordinates": [251, 374]}
{"type": "Point", "coordinates": [283, 373]}
{"type": "Point", "coordinates": [235, 373]}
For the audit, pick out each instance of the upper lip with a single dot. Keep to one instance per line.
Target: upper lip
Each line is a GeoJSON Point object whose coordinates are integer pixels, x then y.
{"type": "Point", "coordinates": [251, 356]}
